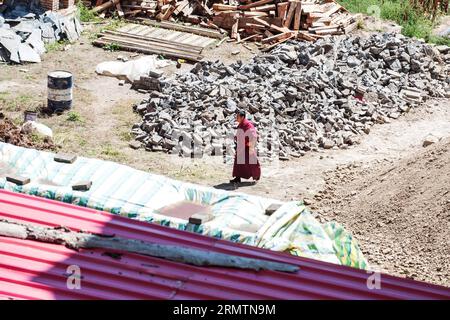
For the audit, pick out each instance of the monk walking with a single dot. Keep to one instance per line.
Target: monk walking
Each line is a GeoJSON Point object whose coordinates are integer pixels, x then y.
{"type": "Point", "coordinates": [246, 164]}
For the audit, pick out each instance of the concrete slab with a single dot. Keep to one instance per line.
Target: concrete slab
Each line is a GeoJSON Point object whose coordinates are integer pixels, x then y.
{"type": "Point", "coordinates": [27, 54]}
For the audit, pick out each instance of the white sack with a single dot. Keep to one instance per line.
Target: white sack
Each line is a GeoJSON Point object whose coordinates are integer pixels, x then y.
{"type": "Point", "coordinates": [131, 70]}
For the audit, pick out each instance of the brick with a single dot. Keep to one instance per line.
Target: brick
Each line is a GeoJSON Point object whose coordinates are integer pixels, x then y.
{"type": "Point", "coordinates": [200, 218]}
{"type": "Point", "coordinates": [52, 5]}
{"type": "Point", "coordinates": [65, 158]}
{"type": "Point", "coordinates": [64, 4]}
{"type": "Point", "coordinates": [272, 208]}
{"type": "Point", "coordinates": [82, 186]}
{"type": "Point", "coordinates": [18, 180]}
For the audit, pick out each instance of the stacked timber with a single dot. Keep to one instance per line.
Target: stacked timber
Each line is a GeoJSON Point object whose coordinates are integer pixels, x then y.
{"type": "Point", "coordinates": [267, 21]}
{"type": "Point", "coordinates": [148, 45]}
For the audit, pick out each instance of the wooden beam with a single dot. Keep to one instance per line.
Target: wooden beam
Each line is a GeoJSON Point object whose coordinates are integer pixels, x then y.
{"type": "Point", "coordinates": [105, 6]}
{"type": "Point", "coordinates": [181, 254]}
{"type": "Point", "coordinates": [180, 27]}
{"type": "Point", "coordinates": [282, 10]}
{"type": "Point", "coordinates": [254, 4]}
{"type": "Point", "coordinates": [290, 15]}
{"type": "Point", "coordinates": [298, 16]}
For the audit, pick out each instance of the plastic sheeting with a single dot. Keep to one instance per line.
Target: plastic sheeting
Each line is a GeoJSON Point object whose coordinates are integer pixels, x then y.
{"type": "Point", "coordinates": [139, 195]}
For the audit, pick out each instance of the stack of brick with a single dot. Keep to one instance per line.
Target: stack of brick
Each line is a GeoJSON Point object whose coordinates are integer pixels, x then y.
{"type": "Point", "coordinates": [55, 5]}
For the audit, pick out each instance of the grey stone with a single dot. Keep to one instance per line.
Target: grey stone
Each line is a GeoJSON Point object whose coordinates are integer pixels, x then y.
{"type": "Point", "coordinates": [308, 94]}
{"type": "Point", "coordinates": [429, 140]}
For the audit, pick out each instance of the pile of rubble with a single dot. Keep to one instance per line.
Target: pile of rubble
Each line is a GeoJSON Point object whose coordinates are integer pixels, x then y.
{"type": "Point", "coordinates": [305, 96]}
{"type": "Point", "coordinates": [19, 136]}
{"type": "Point", "coordinates": [25, 28]}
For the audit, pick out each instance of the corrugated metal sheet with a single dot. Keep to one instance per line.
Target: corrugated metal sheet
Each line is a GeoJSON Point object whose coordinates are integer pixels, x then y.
{"type": "Point", "coordinates": [34, 270]}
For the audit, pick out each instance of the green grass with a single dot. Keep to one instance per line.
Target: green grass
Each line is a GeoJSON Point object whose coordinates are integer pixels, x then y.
{"type": "Point", "coordinates": [18, 103]}
{"type": "Point", "coordinates": [36, 138]}
{"type": "Point", "coordinates": [113, 24]}
{"type": "Point", "coordinates": [111, 47]}
{"type": "Point", "coordinates": [414, 22]}
{"type": "Point", "coordinates": [74, 116]}
{"type": "Point", "coordinates": [111, 153]}
{"type": "Point", "coordinates": [86, 14]}
{"type": "Point", "coordinates": [56, 46]}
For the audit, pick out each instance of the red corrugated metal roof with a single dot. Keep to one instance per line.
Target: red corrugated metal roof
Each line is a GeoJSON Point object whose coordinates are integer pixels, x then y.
{"type": "Point", "coordinates": [34, 270]}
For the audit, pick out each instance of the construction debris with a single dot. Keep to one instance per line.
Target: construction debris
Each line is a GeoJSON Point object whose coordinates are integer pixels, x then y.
{"type": "Point", "coordinates": [25, 29]}
{"type": "Point", "coordinates": [302, 96]}
{"type": "Point", "coordinates": [268, 21]}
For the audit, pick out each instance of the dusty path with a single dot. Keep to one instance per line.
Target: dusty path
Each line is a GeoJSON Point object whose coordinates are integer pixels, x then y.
{"type": "Point", "coordinates": [304, 177]}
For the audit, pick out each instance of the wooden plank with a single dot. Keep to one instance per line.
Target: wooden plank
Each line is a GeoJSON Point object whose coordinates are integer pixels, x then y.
{"type": "Point", "coordinates": [111, 34]}
{"type": "Point", "coordinates": [224, 7]}
{"type": "Point", "coordinates": [262, 21]}
{"type": "Point", "coordinates": [277, 37]}
{"type": "Point", "coordinates": [234, 30]}
{"type": "Point", "coordinates": [180, 254]}
{"type": "Point", "coordinates": [282, 9]}
{"type": "Point", "coordinates": [180, 6]}
{"type": "Point", "coordinates": [267, 7]}
{"type": "Point", "coordinates": [168, 13]}
{"type": "Point", "coordinates": [177, 54]}
{"type": "Point", "coordinates": [179, 27]}
{"type": "Point", "coordinates": [277, 43]}
{"type": "Point", "coordinates": [254, 4]}
{"type": "Point", "coordinates": [105, 6]}
{"type": "Point", "coordinates": [290, 14]}
{"type": "Point", "coordinates": [254, 14]}
{"type": "Point", "coordinates": [298, 16]}
{"type": "Point", "coordinates": [333, 10]}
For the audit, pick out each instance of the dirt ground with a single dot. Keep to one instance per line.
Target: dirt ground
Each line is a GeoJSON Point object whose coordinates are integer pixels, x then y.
{"type": "Point", "coordinates": [398, 210]}
{"type": "Point", "coordinates": [350, 186]}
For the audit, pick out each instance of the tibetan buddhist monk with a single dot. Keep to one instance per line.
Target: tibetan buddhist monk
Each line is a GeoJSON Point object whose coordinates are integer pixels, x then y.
{"type": "Point", "coordinates": [246, 164]}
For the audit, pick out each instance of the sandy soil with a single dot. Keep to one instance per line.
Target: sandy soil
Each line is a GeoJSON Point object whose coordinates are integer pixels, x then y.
{"type": "Point", "coordinates": [399, 211]}
{"type": "Point", "coordinates": [106, 116]}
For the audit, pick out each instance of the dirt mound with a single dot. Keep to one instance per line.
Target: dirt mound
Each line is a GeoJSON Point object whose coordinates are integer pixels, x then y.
{"type": "Point", "coordinates": [10, 133]}
{"type": "Point", "coordinates": [399, 212]}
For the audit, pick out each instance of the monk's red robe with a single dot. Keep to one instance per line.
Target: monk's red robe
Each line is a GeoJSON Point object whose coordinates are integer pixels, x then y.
{"type": "Point", "coordinates": [246, 164]}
